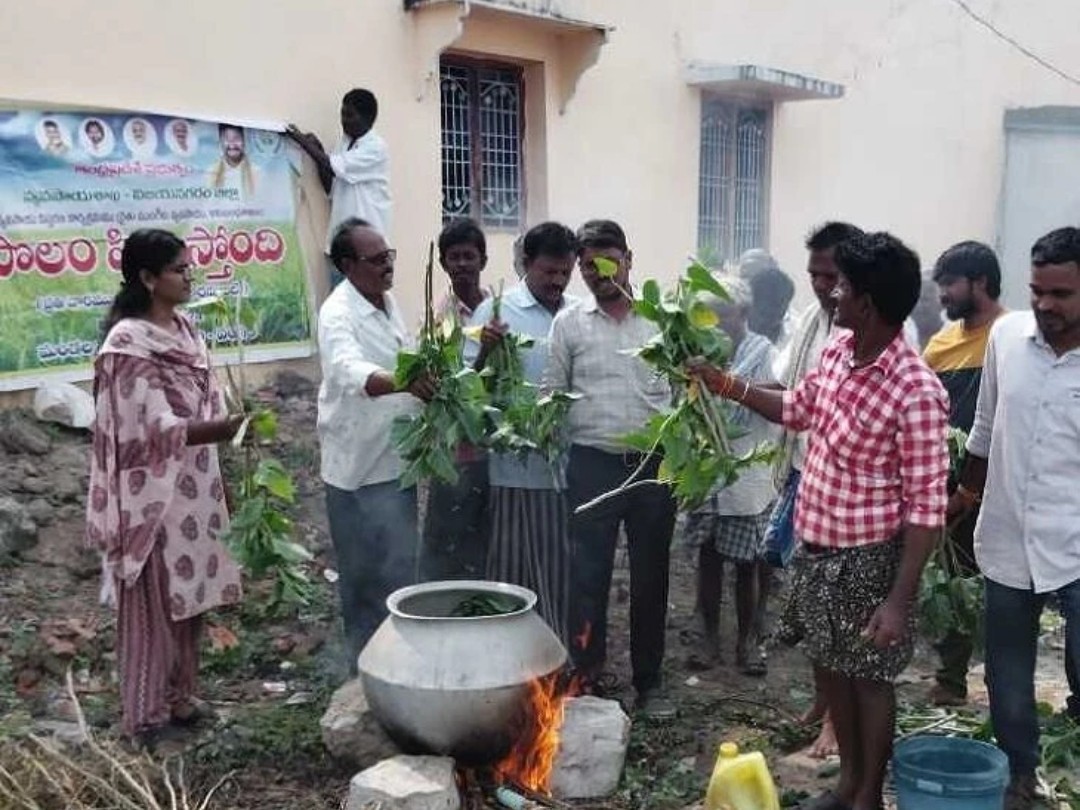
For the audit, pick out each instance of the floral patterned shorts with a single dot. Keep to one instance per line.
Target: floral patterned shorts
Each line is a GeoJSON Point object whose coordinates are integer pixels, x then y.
{"type": "Point", "coordinates": [834, 593]}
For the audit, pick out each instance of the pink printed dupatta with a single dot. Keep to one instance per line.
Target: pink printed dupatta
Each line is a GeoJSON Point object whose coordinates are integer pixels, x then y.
{"type": "Point", "coordinates": [149, 490]}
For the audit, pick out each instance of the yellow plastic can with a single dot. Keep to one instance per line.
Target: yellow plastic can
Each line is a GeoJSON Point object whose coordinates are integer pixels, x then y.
{"type": "Point", "coordinates": [741, 782]}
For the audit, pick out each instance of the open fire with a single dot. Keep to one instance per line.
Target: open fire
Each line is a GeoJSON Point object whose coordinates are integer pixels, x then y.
{"type": "Point", "coordinates": [531, 760]}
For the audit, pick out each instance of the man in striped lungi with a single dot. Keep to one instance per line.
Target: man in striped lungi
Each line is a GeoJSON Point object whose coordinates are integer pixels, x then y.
{"type": "Point", "coordinates": [528, 543]}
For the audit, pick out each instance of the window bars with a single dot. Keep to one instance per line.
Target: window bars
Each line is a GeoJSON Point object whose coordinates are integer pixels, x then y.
{"type": "Point", "coordinates": [733, 179]}
{"type": "Point", "coordinates": [481, 142]}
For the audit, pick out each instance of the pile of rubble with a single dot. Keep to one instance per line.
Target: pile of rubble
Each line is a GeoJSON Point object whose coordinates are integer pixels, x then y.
{"type": "Point", "coordinates": [43, 480]}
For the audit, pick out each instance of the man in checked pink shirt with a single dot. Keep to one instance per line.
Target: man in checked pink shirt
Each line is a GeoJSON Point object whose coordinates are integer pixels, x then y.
{"type": "Point", "coordinates": [871, 503]}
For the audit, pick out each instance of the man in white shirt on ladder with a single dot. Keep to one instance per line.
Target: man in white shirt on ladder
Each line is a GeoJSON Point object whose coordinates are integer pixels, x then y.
{"type": "Point", "coordinates": [356, 174]}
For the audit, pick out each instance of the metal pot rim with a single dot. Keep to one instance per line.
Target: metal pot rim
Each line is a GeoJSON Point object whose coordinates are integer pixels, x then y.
{"type": "Point", "coordinates": [394, 600]}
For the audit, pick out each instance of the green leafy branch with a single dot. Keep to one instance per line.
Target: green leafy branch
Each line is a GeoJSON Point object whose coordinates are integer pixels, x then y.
{"type": "Point", "coordinates": [520, 419]}
{"type": "Point", "coordinates": [496, 408]}
{"type": "Point", "coordinates": [261, 533]}
{"type": "Point", "coordinates": [428, 441]}
{"type": "Point", "coordinates": [949, 602]}
{"type": "Point", "coordinates": [695, 438]}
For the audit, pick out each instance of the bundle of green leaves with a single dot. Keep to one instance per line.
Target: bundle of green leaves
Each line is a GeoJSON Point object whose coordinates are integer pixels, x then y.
{"type": "Point", "coordinates": [950, 601]}
{"type": "Point", "coordinates": [510, 395]}
{"type": "Point", "coordinates": [496, 408]}
{"type": "Point", "coordinates": [487, 604]}
{"type": "Point", "coordinates": [694, 437]}
{"type": "Point", "coordinates": [260, 534]}
{"type": "Point", "coordinates": [428, 441]}
{"type": "Point", "coordinates": [519, 419]}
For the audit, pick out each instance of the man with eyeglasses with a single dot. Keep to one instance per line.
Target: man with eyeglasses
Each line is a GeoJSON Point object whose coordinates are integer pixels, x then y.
{"type": "Point", "coordinates": [373, 522]}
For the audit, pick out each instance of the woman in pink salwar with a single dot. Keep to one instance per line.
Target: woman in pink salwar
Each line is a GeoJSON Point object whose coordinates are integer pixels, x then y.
{"type": "Point", "coordinates": [156, 508]}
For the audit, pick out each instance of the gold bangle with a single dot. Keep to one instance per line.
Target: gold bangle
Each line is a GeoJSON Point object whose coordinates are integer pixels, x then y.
{"type": "Point", "coordinates": [725, 389]}
{"type": "Point", "coordinates": [745, 391]}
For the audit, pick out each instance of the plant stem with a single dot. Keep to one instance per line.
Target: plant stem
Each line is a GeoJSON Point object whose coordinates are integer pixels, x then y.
{"type": "Point", "coordinates": [238, 325]}
{"type": "Point", "coordinates": [496, 304]}
{"type": "Point", "coordinates": [614, 493]}
{"type": "Point", "coordinates": [714, 420]}
{"type": "Point", "coordinates": [429, 312]}
{"type": "Point", "coordinates": [626, 485]}
{"type": "Point", "coordinates": [944, 721]}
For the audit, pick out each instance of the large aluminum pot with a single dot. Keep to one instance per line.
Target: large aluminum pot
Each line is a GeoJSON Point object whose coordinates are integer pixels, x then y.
{"type": "Point", "coordinates": [457, 686]}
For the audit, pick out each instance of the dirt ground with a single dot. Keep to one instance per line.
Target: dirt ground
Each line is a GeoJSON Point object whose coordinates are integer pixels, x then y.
{"type": "Point", "coordinates": [272, 681]}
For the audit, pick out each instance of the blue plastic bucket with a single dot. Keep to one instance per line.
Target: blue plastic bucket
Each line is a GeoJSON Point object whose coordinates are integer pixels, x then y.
{"type": "Point", "coordinates": [949, 773]}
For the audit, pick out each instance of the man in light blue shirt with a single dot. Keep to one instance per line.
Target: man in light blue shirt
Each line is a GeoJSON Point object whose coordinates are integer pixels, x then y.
{"type": "Point", "coordinates": [529, 544]}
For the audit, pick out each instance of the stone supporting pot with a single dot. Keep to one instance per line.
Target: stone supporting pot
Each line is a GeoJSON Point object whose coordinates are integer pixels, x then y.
{"type": "Point", "coordinates": [457, 685]}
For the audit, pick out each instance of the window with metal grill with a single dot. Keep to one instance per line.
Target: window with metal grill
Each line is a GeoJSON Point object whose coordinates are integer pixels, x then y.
{"type": "Point", "coordinates": [482, 123]}
{"type": "Point", "coordinates": [733, 181]}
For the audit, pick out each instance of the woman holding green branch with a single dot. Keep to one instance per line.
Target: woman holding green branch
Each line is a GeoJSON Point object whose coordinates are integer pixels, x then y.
{"type": "Point", "coordinates": [156, 507]}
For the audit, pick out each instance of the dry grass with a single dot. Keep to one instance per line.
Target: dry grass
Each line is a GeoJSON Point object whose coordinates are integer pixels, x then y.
{"type": "Point", "coordinates": [41, 774]}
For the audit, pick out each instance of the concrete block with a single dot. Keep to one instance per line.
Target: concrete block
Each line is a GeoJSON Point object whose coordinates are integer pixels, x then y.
{"type": "Point", "coordinates": [592, 749]}
{"type": "Point", "coordinates": [406, 783]}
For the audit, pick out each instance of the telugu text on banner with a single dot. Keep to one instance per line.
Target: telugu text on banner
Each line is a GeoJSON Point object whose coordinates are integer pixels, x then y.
{"type": "Point", "coordinates": [73, 185]}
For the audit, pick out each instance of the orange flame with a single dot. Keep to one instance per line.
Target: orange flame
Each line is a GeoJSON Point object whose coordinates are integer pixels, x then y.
{"type": "Point", "coordinates": [532, 758]}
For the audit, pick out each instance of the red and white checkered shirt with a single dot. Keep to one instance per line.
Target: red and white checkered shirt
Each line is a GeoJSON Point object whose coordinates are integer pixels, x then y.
{"type": "Point", "coordinates": [878, 457]}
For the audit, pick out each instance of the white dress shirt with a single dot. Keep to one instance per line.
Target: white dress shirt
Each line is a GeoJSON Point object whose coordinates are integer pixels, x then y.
{"type": "Point", "coordinates": [1027, 423]}
{"type": "Point", "coordinates": [361, 185]}
{"type": "Point", "coordinates": [356, 338]}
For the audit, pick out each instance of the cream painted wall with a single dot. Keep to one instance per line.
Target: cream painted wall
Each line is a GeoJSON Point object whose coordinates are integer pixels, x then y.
{"type": "Point", "coordinates": [916, 145]}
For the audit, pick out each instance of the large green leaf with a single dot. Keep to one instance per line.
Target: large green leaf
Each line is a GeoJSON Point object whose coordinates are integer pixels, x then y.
{"type": "Point", "coordinates": [278, 523]}
{"type": "Point", "coordinates": [647, 310]}
{"type": "Point", "coordinates": [409, 366]}
{"type": "Point", "coordinates": [248, 516]}
{"type": "Point", "coordinates": [273, 477]}
{"type": "Point", "coordinates": [701, 280]}
{"type": "Point", "coordinates": [650, 291]}
{"type": "Point", "coordinates": [264, 423]}
{"type": "Point", "coordinates": [291, 552]}
{"type": "Point", "coordinates": [702, 316]}
{"type": "Point", "coordinates": [443, 467]}
{"type": "Point", "coordinates": [605, 267]}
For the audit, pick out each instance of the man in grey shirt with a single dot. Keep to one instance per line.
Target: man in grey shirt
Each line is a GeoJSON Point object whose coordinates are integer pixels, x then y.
{"type": "Point", "coordinates": [591, 355]}
{"type": "Point", "coordinates": [1023, 464]}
